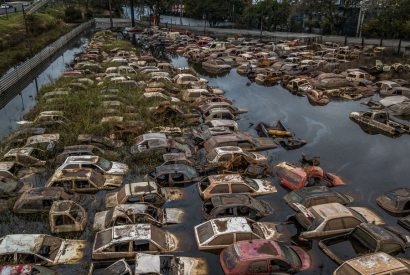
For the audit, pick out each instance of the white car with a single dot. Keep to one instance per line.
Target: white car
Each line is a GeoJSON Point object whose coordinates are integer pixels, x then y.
{"type": "Point", "coordinates": [5, 6]}
{"type": "Point", "coordinates": [97, 163]}
{"type": "Point", "coordinates": [226, 153]}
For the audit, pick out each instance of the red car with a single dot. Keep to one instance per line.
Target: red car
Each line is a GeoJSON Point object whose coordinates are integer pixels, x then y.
{"type": "Point", "coordinates": [294, 176]}
{"type": "Point", "coordinates": [263, 257]}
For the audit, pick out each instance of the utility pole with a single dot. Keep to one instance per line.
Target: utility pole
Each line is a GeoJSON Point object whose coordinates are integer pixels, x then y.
{"type": "Point", "coordinates": [233, 16]}
{"type": "Point", "coordinates": [204, 22]}
{"type": "Point", "coordinates": [180, 12]}
{"type": "Point", "coordinates": [261, 25]}
{"type": "Point", "coordinates": [111, 22]}
{"type": "Point", "coordinates": [132, 13]}
{"type": "Point", "coordinates": [29, 43]}
{"type": "Point", "coordinates": [7, 10]}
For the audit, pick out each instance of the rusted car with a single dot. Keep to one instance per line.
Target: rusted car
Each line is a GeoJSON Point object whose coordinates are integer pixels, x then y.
{"type": "Point", "coordinates": [163, 146]}
{"type": "Point", "coordinates": [201, 136]}
{"type": "Point", "coordinates": [168, 264]}
{"type": "Point", "coordinates": [263, 257]}
{"type": "Point", "coordinates": [395, 91]}
{"type": "Point", "coordinates": [136, 213]}
{"type": "Point", "coordinates": [215, 65]}
{"type": "Point", "coordinates": [127, 240]}
{"type": "Point", "coordinates": [233, 205]}
{"type": "Point", "coordinates": [120, 267]}
{"type": "Point", "coordinates": [293, 176]}
{"type": "Point", "coordinates": [269, 77]}
{"type": "Point", "coordinates": [233, 184]}
{"type": "Point", "coordinates": [218, 113]}
{"type": "Point", "coordinates": [230, 124]}
{"type": "Point", "coordinates": [40, 199]}
{"type": "Point", "coordinates": [142, 142]}
{"type": "Point", "coordinates": [220, 233]}
{"type": "Point", "coordinates": [234, 110]}
{"type": "Point", "coordinates": [368, 238]}
{"type": "Point", "coordinates": [83, 180]}
{"type": "Point", "coordinates": [173, 175]}
{"type": "Point", "coordinates": [395, 201]}
{"type": "Point", "coordinates": [99, 141]}
{"type": "Point", "coordinates": [10, 173]}
{"type": "Point", "coordinates": [315, 195]}
{"type": "Point", "coordinates": [317, 98]}
{"type": "Point", "coordinates": [40, 249]}
{"type": "Point", "coordinates": [185, 79]}
{"type": "Point", "coordinates": [299, 85]}
{"type": "Point", "coordinates": [26, 269]}
{"type": "Point", "coordinates": [379, 121]}
{"type": "Point", "coordinates": [98, 164]}
{"type": "Point", "coordinates": [375, 263]}
{"type": "Point", "coordinates": [45, 117]}
{"type": "Point", "coordinates": [247, 166]}
{"type": "Point", "coordinates": [27, 156]}
{"type": "Point", "coordinates": [67, 216]}
{"type": "Point", "coordinates": [46, 142]}
{"type": "Point", "coordinates": [331, 219]}
{"type": "Point", "coordinates": [142, 192]}
{"type": "Point", "coordinates": [19, 138]}
{"type": "Point", "coordinates": [243, 140]}
{"type": "Point", "coordinates": [221, 155]}
{"type": "Point", "coordinates": [82, 150]}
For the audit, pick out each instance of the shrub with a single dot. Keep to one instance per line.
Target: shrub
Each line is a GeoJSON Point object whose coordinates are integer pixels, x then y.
{"type": "Point", "coordinates": [72, 14]}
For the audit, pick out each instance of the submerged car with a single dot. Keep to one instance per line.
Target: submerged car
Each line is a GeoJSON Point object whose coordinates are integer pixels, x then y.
{"type": "Point", "coordinates": [227, 153]}
{"type": "Point", "coordinates": [142, 192]}
{"type": "Point", "coordinates": [173, 175]}
{"type": "Point", "coordinates": [234, 205]}
{"type": "Point", "coordinates": [98, 164]}
{"type": "Point", "coordinates": [369, 238]}
{"type": "Point", "coordinates": [395, 201]}
{"type": "Point", "coordinates": [243, 140]}
{"type": "Point", "coordinates": [127, 240]}
{"type": "Point", "coordinates": [40, 249]}
{"type": "Point", "coordinates": [27, 156]}
{"type": "Point", "coordinates": [67, 216]}
{"type": "Point", "coordinates": [83, 180]}
{"type": "Point", "coordinates": [315, 195]}
{"type": "Point", "coordinates": [136, 213]}
{"type": "Point", "coordinates": [120, 267]}
{"type": "Point", "coordinates": [168, 264]}
{"type": "Point", "coordinates": [263, 257]}
{"type": "Point", "coordinates": [222, 232]}
{"type": "Point", "coordinates": [82, 150]}
{"type": "Point", "coordinates": [376, 263]}
{"type": "Point", "coordinates": [331, 219]}
{"type": "Point", "coordinates": [233, 184]}
{"type": "Point", "coordinates": [26, 269]}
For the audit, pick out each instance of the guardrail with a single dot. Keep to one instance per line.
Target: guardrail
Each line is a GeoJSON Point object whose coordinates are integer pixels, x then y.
{"type": "Point", "coordinates": [13, 77]}
{"type": "Point", "coordinates": [38, 5]}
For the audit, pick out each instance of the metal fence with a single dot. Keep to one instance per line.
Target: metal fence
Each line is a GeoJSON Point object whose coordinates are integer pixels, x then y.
{"type": "Point", "coordinates": [13, 77]}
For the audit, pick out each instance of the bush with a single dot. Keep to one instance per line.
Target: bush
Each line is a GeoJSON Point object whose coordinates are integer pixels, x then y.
{"type": "Point", "coordinates": [72, 14]}
{"type": "Point", "coordinates": [88, 13]}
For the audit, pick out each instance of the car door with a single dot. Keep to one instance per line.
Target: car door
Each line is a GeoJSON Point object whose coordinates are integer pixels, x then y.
{"type": "Point", "coordinates": [334, 227]}
{"type": "Point", "coordinates": [258, 267]}
{"type": "Point", "coordinates": [119, 250]}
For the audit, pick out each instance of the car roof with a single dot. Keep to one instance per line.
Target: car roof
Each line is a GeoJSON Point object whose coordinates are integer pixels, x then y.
{"type": "Point", "coordinates": [228, 149]}
{"type": "Point", "coordinates": [78, 148]}
{"type": "Point", "coordinates": [59, 207]}
{"type": "Point", "coordinates": [259, 248]}
{"type": "Point", "coordinates": [72, 173]}
{"type": "Point", "coordinates": [6, 165]}
{"type": "Point", "coordinates": [332, 210]}
{"type": "Point", "coordinates": [378, 232]}
{"type": "Point", "coordinates": [172, 168]}
{"type": "Point", "coordinates": [82, 159]}
{"type": "Point", "coordinates": [131, 232]}
{"type": "Point", "coordinates": [139, 188]}
{"type": "Point", "coordinates": [314, 191]}
{"type": "Point", "coordinates": [399, 194]}
{"type": "Point", "coordinates": [230, 225]}
{"type": "Point", "coordinates": [26, 151]}
{"type": "Point", "coordinates": [43, 192]}
{"type": "Point", "coordinates": [129, 209]}
{"type": "Point", "coordinates": [13, 243]}
{"type": "Point", "coordinates": [154, 136]}
{"type": "Point", "coordinates": [375, 263]}
{"type": "Point", "coordinates": [225, 178]}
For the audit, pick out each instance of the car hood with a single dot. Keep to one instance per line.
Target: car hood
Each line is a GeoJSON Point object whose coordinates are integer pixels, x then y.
{"type": "Point", "coordinates": [274, 231]}
{"type": "Point", "coordinates": [99, 221]}
{"type": "Point", "coordinates": [112, 180]}
{"type": "Point", "coordinates": [265, 186]}
{"type": "Point", "coordinates": [369, 215]}
{"type": "Point", "coordinates": [71, 252]}
{"type": "Point", "coordinates": [111, 200]}
{"type": "Point", "coordinates": [118, 169]}
{"type": "Point", "coordinates": [172, 215]}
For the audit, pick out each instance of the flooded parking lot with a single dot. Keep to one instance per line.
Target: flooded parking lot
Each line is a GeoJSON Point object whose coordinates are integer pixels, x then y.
{"type": "Point", "coordinates": [371, 164]}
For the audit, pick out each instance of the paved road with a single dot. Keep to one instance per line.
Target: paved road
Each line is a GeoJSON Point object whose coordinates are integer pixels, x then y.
{"type": "Point", "coordinates": [12, 10]}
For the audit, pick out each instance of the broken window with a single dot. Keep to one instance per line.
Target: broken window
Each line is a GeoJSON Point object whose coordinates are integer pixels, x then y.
{"type": "Point", "coordinates": [82, 184]}
{"type": "Point", "coordinates": [407, 206]}
{"type": "Point", "coordinates": [94, 167]}
{"type": "Point", "coordinates": [279, 265]}
{"type": "Point", "coordinates": [61, 220]}
{"type": "Point", "coordinates": [31, 205]}
{"type": "Point", "coordinates": [245, 237]}
{"type": "Point", "coordinates": [122, 221]}
{"type": "Point", "coordinates": [240, 188]}
{"type": "Point", "coordinates": [220, 189]}
{"type": "Point", "coordinates": [226, 212]}
{"type": "Point", "coordinates": [258, 267]}
{"type": "Point", "coordinates": [153, 199]}
{"type": "Point", "coordinates": [64, 184]}
{"type": "Point", "coordinates": [141, 245]}
{"type": "Point", "coordinates": [28, 259]}
{"type": "Point", "coordinates": [177, 177]}
{"type": "Point", "coordinates": [226, 239]}
{"type": "Point", "coordinates": [121, 247]}
{"type": "Point", "coordinates": [163, 179]}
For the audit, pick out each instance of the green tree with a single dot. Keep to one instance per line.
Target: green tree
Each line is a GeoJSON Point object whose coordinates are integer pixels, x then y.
{"type": "Point", "coordinates": [215, 11]}
{"type": "Point", "coordinates": [157, 6]}
{"type": "Point", "coordinates": [391, 21]}
{"type": "Point", "coordinates": [274, 15]}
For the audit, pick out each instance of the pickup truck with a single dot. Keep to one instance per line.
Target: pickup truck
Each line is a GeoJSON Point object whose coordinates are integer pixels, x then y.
{"type": "Point", "coordinates": [380, 121]}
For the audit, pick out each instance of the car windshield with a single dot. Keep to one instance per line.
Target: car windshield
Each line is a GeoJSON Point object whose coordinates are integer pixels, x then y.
{"type": "Point", "coordinates": [357, 215]}
{"type": "Point", "coordinates": [310, 223]}
{"type": "Point", "coordinates": [50, 246]}
{"type": "Point", "coordinates": [388, 200]}
{"type": "Point", "coordinates": [292, 178]}
{"type": "Point", "coordinates": [294, 197]}
{"type": "Point", "coordinates": [103, 238]}
{"type": "Point", "coordinates": [258, 205]}
{"type": "Point", "coordinates": [249, 154]}
{"type": "Point", "coordinates": [290, 255]}
{"type": "Point", "coordinates": [365, 239]}
{"type": "Point", "coordinates": [104, 164]}
{"type": "Point", "coordinates": [230, 257]}
{"type": "Point", "coordinates": [205, 232]}
{"type": "Point", "coordinates": [108, 217]}
{"type": "Point", "coordinates": [159, 237]}
{"type": "Point", "coordinates": [251, 183]}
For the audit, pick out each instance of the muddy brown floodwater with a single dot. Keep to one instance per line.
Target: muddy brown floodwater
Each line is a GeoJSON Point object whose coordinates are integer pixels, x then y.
{"type": "Point", "coordinates": [371, 164]}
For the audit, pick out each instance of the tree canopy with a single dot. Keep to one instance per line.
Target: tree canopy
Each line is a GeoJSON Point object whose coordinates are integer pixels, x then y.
{"type": "Point", "coordinates": [215, 11]}
{"type": "Point", "coordinates": [273, 14]}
